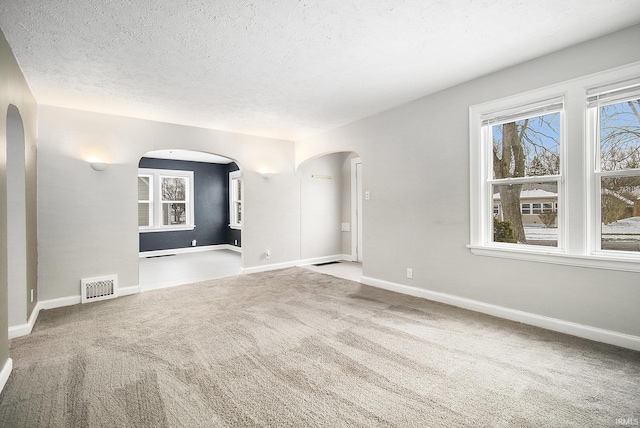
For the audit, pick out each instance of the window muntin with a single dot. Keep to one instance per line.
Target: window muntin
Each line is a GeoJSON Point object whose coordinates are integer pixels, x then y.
{"type": "Point", "coordinates": [525, 149]}
{"type": "Point", "coordinates": [235, 200]}
{"type": "Point", "coordinates": [170, 200]}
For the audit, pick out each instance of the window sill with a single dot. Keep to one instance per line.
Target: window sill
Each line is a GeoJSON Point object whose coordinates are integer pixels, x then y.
{"type": "Point", "coordinates": [167, 229]}
{"type": "Point", "coordinates": [235, 227]}
{"type": "Point", "coordinates": [613, 261]}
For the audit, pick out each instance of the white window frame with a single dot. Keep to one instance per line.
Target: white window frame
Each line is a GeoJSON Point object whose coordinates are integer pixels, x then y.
{"type": "Point", "coordinates": [156, 202]}
{"type": "Point", "coordinates": [235, 204]}
{"type": "Point", "coordinates": [149, 201]}
{"type": "Point", "coordinates": [578, 193]}
{"type": "Point", "coordinates": [606, 95]}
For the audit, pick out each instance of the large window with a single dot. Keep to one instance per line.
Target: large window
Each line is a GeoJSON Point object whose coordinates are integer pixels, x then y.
{"type": "Point", "coordinates": [555, 173]}
{"type": "Point", "coordinates": [615, 122]}
{"type": "Point", "coordinates": [525, 159]}
{"type": "Point", "coordinates": [165, 200]}
{"type": "Point", "coordinates": [235, 200]}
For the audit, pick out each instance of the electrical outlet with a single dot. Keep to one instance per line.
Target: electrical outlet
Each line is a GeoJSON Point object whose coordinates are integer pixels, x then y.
{"type": "Point", "coordinates": [267, 254]}
{"type": "Point", "coordinates": [346, 227]}
{"type": "Point", "coordinates": [367, 195]}
{"type": "Point", "coordinates": [409, 273]}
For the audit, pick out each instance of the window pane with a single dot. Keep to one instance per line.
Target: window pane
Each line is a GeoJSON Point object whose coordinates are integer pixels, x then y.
{"type": "Point", "coordinates": [174, 213]}
{"type": "Point", "coordinates": [527, 147]}
{"type": "Point", "coordinates": [620, 136]}
{"type": "Point", "coordinates": [517, 222]}
{"type": "Point", "coordinates": [174, 188]}
{"type": "Point", "coordinates": [620, 213]}
{"type": "Point", "coordinates": [143, 214]}
{"type": "Point", "coordinates": [143, 188]}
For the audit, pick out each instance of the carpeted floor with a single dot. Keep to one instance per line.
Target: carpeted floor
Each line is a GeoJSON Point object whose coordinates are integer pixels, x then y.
{"type": "Point", "coordinates": [298, 348]}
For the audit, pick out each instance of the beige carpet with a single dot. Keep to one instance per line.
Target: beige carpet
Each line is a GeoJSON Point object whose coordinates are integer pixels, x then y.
{"type": "Point", "coordinates": [298, 348]}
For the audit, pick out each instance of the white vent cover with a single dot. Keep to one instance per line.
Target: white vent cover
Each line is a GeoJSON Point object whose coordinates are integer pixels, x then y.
{"type": "Point", "coordinates": [99, 288]}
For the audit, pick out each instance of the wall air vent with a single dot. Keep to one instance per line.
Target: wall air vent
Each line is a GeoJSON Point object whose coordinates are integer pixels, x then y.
{"type": "Point", "coordinates": [99, 288]}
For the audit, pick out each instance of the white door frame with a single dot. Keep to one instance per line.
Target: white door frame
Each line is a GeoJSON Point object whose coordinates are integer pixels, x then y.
{"type": "Point", "coordinates": [356, 216]}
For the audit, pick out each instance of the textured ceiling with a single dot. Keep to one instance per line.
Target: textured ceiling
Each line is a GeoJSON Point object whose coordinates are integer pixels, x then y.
{"type": "Point", "coordinates": [281, 68]}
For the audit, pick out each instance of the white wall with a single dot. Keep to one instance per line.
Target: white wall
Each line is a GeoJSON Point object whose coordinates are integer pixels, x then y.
{"type": "Point", "coordinates": [88, 219]}
{"type": "Point", "coordinates": [16, 219]}
{"type": "Point", "coordinates": [321, 206]}
{"type": "Point", "coordinates": [416, 161]}
{"type": "Point", "coordinates": [15, 91]}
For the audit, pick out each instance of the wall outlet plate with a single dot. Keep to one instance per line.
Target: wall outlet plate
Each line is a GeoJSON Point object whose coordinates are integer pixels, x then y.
{"type": "Point", "coordinates": [346, 227]}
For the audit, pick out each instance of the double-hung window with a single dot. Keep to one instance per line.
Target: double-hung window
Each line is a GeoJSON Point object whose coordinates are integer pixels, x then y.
{"type": "Point", "coordinates": [165, 200]}
{"type": "Point", "coordinates": [523, 147]}
{"type": "Point", "coordinates": [145, 200]}
{"type": "Point", "coordinates": [614, 116]}
{"type": "Point", "coordinates": [235, 200]}
{"type": "Point", "coordinates": [555, 173]}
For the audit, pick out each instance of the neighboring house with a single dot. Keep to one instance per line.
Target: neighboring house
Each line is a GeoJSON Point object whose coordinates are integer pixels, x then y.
{"type": "Point", "coordinates": [532, 203]}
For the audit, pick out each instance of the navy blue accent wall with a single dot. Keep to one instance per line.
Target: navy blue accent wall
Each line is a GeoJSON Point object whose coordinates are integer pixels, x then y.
{"type": "Point", "coordinates": [211, 206]}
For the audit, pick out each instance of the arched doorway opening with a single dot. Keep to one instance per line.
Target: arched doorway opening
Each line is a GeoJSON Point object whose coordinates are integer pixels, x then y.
{"type": "Point", "coordinates": [18, 296]}
{"type": "Point", "coordinates": [189, 217]}
{"type": "Point", "coordinates": [331, 209]}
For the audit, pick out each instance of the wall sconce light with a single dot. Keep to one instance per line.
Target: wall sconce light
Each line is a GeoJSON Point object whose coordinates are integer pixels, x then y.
{"type": "Point", "coordinates": [99, 166]}
{"type": "Point", "coordinates": [266, 175]}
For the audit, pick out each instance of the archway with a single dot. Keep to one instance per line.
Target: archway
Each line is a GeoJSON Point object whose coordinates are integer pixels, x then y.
{"type": "Point", "coordinates": [189, 217]}
{"type": "Point", "coordinates": [330, 224]}
{"type": "Point", "coordinates": [16, 219]}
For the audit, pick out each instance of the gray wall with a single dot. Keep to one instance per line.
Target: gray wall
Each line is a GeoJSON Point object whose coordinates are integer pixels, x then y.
{"type": "Point", "coordinates": [14, 91]}
{"type": "Point", "coordinates": [88, 220]}
{"type": "Point", "coordinates": [416, 166]}
{"type": "Point", "coordinates": [321, 206]}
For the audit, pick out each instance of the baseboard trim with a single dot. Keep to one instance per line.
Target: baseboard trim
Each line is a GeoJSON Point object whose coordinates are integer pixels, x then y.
{"type": "Point", "coordinates": [60, 302]}
{"type": "Point", "coordinates": [25, 329]}
{"type": "Point", "coordinates": [173, 251]}
{"type": "Point", "coordinates": [316, 260]}
{"type": "Point", "coordinates": [347, 257]}
{"type": "Point", "coordinates": [266, 268]}
{"type": "Point", "coordinates": [126, 291]}
{"type": "Point", "coordinates": [5, 373]}
{"type": "Point", "coordinates": [303, 262]}
{"type": "Point", "coordinates": [567, 327]}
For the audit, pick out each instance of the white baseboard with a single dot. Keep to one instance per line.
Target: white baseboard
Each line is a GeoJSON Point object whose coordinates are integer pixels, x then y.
{"type": "Point", "coordinates": [347, 257]}
{"type": "Point", "coordinates": [25, 329]}
{"type": "Point", "coordinates": [266, 268]}
{"type": "Point", "coordinates": [304, 262]}
{"type": "Point", "coordinates": [170, 252]}
{"type": "Point", "coordinates": [125, 291]}
{"type": "Point", "coordinates": [5, 373]}
{"type": "Point", "coordinates": [60, 302]}
{"type": "Point", "coordinates": [567, 327]}
{"type": "Point", "coordinates": [316, 260]}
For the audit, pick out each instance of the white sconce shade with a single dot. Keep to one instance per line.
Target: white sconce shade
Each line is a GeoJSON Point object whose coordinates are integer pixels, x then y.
{"type": "Point", "coordinates": [266, 175]}
{"type": "Point", "coordinates": [99, 166]}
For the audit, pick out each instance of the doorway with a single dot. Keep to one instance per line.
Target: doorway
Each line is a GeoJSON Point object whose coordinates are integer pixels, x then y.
{"type": "Point", "coordinates": [185, 232]}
